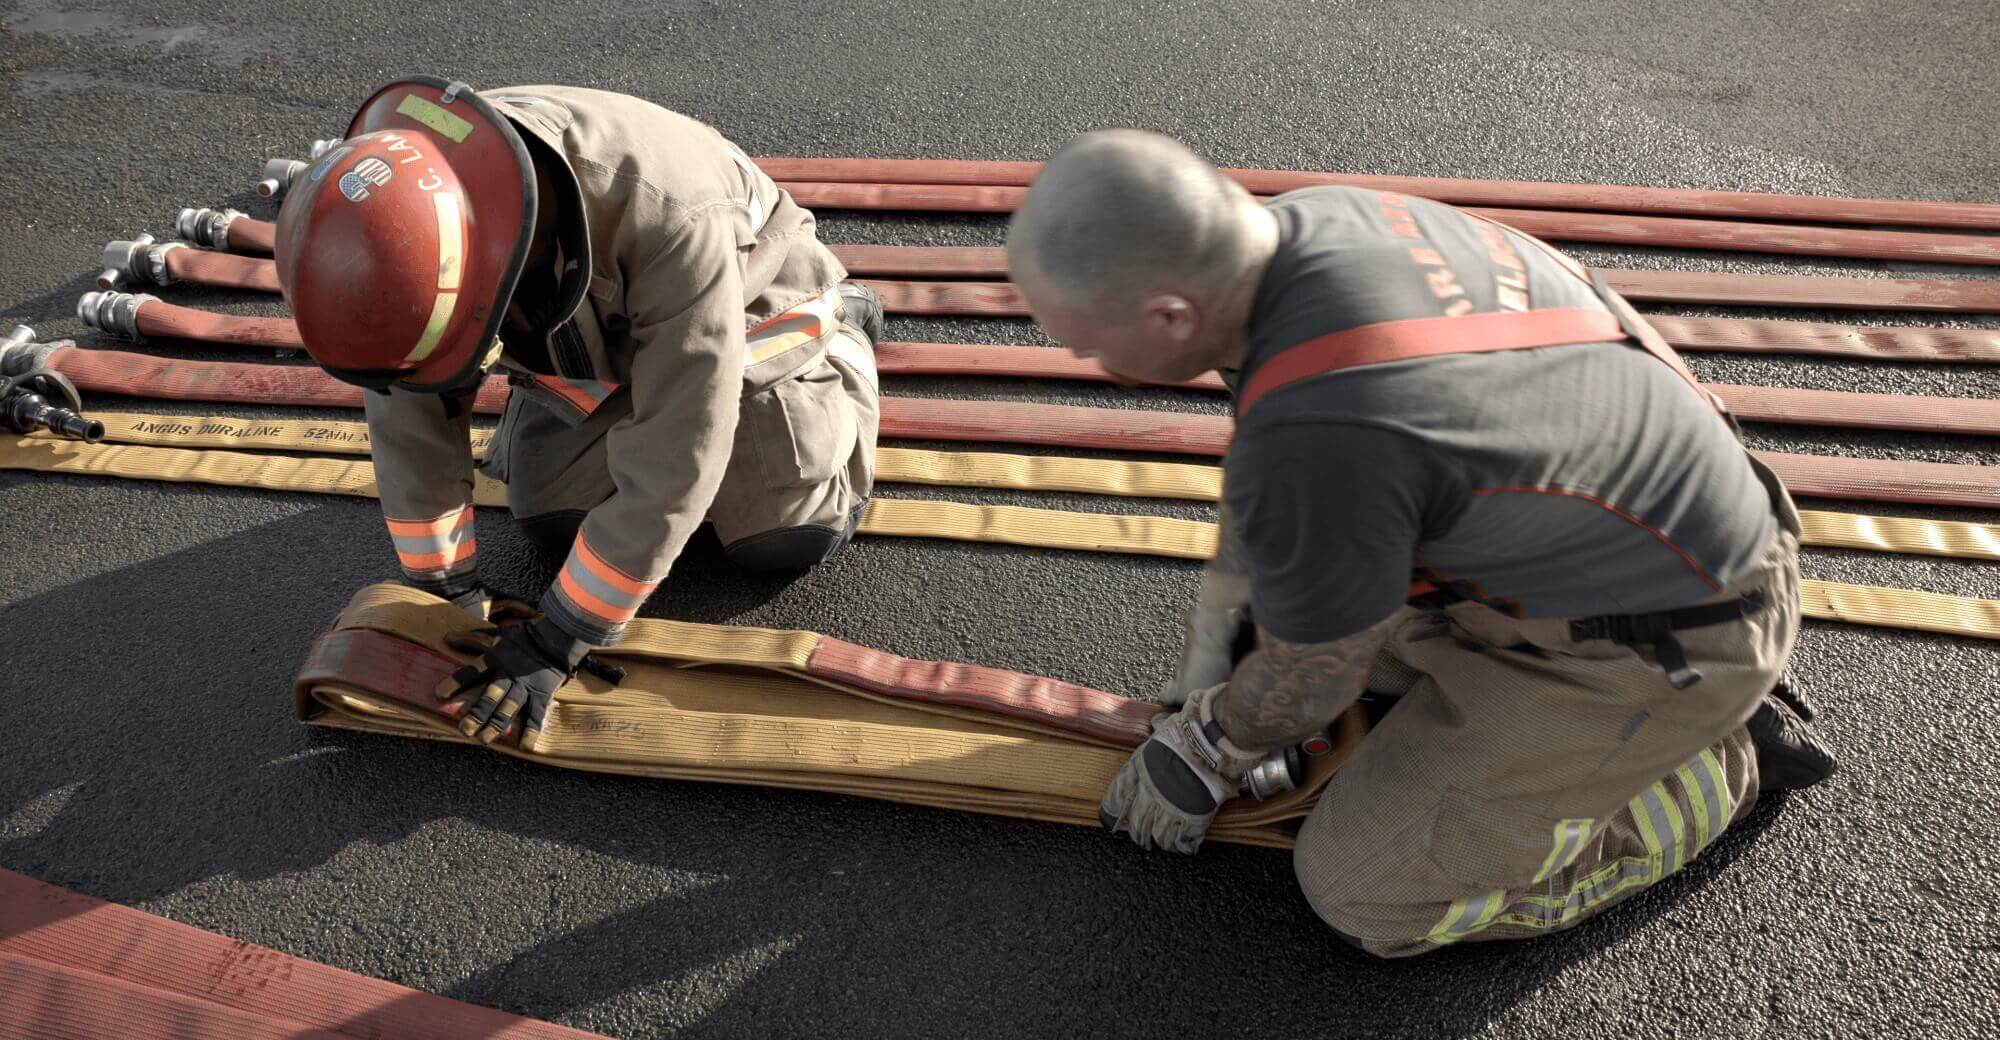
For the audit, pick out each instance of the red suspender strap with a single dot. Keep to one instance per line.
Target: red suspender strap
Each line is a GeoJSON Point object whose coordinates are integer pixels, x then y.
{"type": "Point", "coordinates": [1635, 326]}
{"type": "Point", "coordinates": [1427, 337]}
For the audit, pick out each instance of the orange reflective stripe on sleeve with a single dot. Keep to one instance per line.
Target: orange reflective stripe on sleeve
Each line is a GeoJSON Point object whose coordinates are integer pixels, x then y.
{"type": "Point", "coordinates": [582, 394]}
{"type": "Point", "coordinates": [599, 590]}
{"type": "Point", "coordinates": [442, 543]}
{"type": "Point", "coordinates": [794, 328]}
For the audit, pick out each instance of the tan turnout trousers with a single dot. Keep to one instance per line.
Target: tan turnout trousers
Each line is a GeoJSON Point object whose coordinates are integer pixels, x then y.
{"type": "Point", "coordinates": [1526, 782]}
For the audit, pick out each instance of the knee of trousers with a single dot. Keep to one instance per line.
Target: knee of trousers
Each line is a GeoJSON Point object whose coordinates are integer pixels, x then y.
{"type": "Point", "coordinates": [792, 548]}
{"type": "Point", "coordinates": [553, 532]}
{"type": "Point", "coordinates": [1348, 886]}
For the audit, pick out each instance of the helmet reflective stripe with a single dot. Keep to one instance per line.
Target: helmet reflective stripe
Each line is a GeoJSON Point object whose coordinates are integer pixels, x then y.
{"type": "Point", "coordinates": [440, 317]}
{"type": "Point", "coordinates": [451, 240]}
{"type": "Point", "coordinates": [433, 115]}
{"type": "Point", "coordinates": [451, 264]}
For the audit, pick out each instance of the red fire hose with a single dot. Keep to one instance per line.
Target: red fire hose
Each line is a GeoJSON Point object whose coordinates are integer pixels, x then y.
{"type": "Point", "coordinates": [224, 270]}
{"type": "Point", "coordinates": [1553, 225]}
{"type": "Point", "coordinates": [228, 270]}
{"type": "Point", "coordinates": [1748, 290]}
{"type": "Point", "coordinates": [146, 316]}
{"type": "Point", "coordinates": [1003, 422]}
{"type": "Point", "coordinates": [1609, 198]}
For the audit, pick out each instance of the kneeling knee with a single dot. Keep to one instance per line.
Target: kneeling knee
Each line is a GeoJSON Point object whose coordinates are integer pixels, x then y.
{"type": "Point", "coordinates": [1353, 924]}
{"type": "Point", "coordinates": [794, 548]}
{"type": "Point", "coordinates": [786, 548]}
{"type": "Point", "coordinates": [1348, 889]}
{"type": "Point", "coordinates": [552, 533]}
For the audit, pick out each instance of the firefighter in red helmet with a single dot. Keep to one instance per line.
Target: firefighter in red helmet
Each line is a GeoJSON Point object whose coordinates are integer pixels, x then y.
{"type": "Point", "coordinates": [678, 344]}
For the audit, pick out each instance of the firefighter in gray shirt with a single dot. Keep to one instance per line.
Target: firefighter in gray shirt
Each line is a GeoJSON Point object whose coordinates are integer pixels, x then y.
{"type": "Point", "coordinates": [1464, 477]}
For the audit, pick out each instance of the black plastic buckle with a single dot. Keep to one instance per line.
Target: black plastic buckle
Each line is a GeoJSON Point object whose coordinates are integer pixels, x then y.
{"type": "Point", "coordinates": [604, 670]}
{"type": "Point", "coordinates": [1673, 660]}
{"type": "Point", "coordinates": [1583, 630]}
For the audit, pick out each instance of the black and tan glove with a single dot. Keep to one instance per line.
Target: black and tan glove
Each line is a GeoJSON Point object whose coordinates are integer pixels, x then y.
{"type": "Point", "coordinates": [515, 680]}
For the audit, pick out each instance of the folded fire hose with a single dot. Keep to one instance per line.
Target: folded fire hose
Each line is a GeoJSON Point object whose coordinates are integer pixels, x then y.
{"type": "Point", "coordinates": [782, 709]}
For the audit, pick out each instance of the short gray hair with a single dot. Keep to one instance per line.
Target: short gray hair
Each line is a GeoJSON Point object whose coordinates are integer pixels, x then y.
{"type": "Point", "coordinates": [1117, 213]}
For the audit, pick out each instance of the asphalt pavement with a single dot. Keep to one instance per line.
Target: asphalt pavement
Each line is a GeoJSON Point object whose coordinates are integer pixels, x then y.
{"type": "Point", "coordinates": [148, 632]}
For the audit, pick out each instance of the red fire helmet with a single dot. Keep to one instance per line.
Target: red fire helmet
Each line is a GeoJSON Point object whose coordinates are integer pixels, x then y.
{"type": "Point", "coordinates": [399, 249]}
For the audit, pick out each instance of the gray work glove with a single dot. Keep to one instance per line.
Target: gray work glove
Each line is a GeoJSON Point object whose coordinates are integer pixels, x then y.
{"type": "Point", "coordinates": [1215, 638]}
{"type": "Point", "coordinates": [1172, 787]}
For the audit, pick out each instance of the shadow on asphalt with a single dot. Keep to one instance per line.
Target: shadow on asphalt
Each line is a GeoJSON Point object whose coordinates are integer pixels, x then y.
{"type": "Point", "coordinates": [233, 786]}
{"type": "Point", "coordinates": [56, 304]}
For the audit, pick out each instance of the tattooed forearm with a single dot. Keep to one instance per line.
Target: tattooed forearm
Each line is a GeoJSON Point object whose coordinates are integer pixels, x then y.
{"type": "Point", "coordinates": [1285, 691]}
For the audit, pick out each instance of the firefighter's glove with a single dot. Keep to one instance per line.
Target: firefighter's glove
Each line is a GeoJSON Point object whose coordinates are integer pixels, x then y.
{"type": "Point", "coordinates": [1217, 637]}
{"type": "Point", "coordinates": [514, 681]}
{"type": "Point", "coordinates": [486, 606]}
{"type": "Point", "coordinates": [1172, 787]}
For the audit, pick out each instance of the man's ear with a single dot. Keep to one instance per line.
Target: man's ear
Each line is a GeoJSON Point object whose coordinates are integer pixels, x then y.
{"type": "Point", "coordinates": [1171, 317]}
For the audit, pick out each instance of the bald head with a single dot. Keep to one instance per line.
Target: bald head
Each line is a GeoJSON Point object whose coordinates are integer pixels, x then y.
{"type": "Point", "coordinates": [1119, 213]}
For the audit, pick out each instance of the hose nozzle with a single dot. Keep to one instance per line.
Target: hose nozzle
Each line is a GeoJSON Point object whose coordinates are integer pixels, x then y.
{"type": "Point", "coordinates": [206, 227]}
{"type": "Point", "coordinates": [279, 175]}
{"type": "Point", "coordinates": [20, 353]}
{"type": "Point", "coordinates": [25, 412]}
{"type": "Point", "coordinates": [113, 312]}
{"type": "Point", "coordinates": [1279, 772]}
{"type": "Point", "coordinates": [25, 405]}
{"type": "Point", "coordinates": [142, 261]}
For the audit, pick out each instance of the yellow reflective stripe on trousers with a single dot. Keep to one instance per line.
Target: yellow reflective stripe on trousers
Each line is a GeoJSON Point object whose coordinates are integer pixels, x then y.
{"type": "Point", "coordinates": [1046, 528]}
{"type": "Point", "coordinates": [1679, 854]}
{"type": "Point", "coordinates": [1569, 838]}
{"type": "Point", "coordinates": [1591, 891]}
{"type": "Point", "coordinates": [1178, 480]}
{"type": "Point", "coordinates": [1467, 916]}
{"type": "Point", "coordinates": [1707, 788]}
{"type": "Point", "coordinates": [1710, 767]}
{"type": "Point", "coordinates": [1659, 826]}
{"type": "Point", "coordinates": [1698, 800]}
{"type": "Point", "coordinates": [1663, 829]}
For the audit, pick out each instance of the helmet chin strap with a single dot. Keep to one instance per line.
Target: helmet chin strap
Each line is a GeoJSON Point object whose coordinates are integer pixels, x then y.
{"type": "Point", "coordinates": [467, 380]}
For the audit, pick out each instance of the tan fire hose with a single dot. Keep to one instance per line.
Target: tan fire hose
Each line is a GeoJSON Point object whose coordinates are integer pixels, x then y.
{"type": "Point", "coordinates": [1117, 477]}
{"type": "Point", "coordinates": [1013, 525]}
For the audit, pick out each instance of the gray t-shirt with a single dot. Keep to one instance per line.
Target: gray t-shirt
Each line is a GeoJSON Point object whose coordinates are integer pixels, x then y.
{"type": "Point", "coordinates": [1551, 482]}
